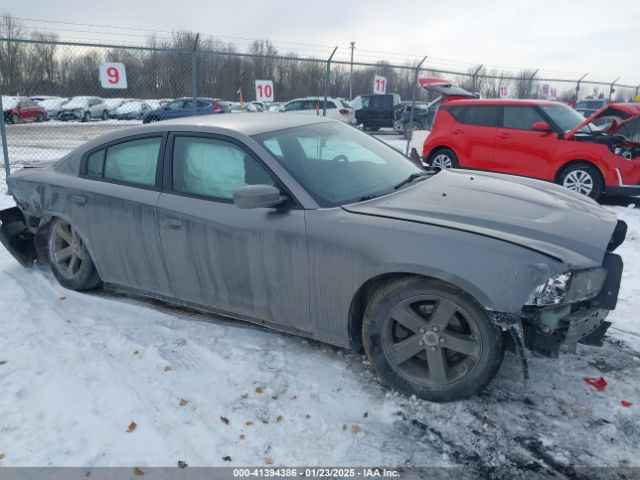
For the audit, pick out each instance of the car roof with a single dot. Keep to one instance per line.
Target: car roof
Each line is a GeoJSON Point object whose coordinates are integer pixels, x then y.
{"type": "Point", "coordinates": [499, 101]}
{"type": "Point", "coordinates": [247, 124]}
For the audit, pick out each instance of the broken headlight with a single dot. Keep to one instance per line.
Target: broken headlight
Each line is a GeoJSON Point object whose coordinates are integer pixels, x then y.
{"type": "Point", "coordinates": [568, 287]}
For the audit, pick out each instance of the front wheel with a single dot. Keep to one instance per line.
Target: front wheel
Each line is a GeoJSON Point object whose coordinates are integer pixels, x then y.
{"type": "Point", "coordinates": [428, 339]}
{"type": "Point", "coordinates": [443, 158]}
{"type": "Point", "coordinates": [105, 115]}
{"type": "Point", "coordinates": [86, 117]}
{"type": "Point", "coordinates": [69, 258]}
{"type": "Point", "coordinates": [582, 178]}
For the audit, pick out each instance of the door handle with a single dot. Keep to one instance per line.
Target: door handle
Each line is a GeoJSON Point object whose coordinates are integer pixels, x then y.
{"type": "Point", "coordinates": [458, 131]}
{"type": "Point", "coordinates": [504, 136]}
{"type": "Point", "coordinates": [79, 199]}
{"type": "Point", "coordinates": [172, 223]}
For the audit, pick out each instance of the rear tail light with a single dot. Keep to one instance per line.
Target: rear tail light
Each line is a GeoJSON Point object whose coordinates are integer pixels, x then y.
{"type": "Point", "coordinates": [344, 111]}
{"type": "Point", "coordinates": [217, 107]}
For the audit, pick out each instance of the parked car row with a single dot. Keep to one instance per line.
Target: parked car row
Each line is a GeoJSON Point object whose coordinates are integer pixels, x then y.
{"type": "Point", "coordinates": [79, 108]}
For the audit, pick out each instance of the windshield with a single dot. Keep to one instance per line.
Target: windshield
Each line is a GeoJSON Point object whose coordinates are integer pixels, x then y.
{"type": "Point", "coordinates": [338, 164]}
{"type": "Point", "coordinates": [566, 117]}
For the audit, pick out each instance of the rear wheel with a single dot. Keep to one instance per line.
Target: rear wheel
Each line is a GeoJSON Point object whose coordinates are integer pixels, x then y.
{"type": "Point", "coordinates": [15, 119]}
{"type": "Point", "coordinates": [150, 119]}
{"type": "Point", "coordinates": [429, 339]}
{"type": "Point", "coordinates": [443, 158]}
{"type": "Point", "coordinates": [41, 117]}
{"type": "Point", "coordinates": [409, 129]}
{"type": "Point", "coordinates": [69, 258]}
{"type": "Point", "coordinates": [105, 115]}
{"type": "Point", "coordinates": [582, 178]}
{"type": "Point", "coordinates": [86, 117]}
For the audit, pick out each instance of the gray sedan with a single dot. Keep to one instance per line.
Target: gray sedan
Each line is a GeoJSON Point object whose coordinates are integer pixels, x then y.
{"type": "Point", "coordinates": [309, 226]}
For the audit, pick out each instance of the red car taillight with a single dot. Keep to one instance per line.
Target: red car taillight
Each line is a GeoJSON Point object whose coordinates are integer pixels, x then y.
{"type": "Point", "coordinates": [344, 111]}
{"type": "Point", "coordinates": [217, 107]}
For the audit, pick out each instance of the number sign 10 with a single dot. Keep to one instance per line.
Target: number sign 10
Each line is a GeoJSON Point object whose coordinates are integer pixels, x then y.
{"type": "Point", "coordinates": [264, 90]}
{"type": "Point", "coordinates": [113, 75]}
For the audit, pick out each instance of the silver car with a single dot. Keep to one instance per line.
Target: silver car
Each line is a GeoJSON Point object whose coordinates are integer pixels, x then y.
{"type": "Point", "coordinates": [309, 226]}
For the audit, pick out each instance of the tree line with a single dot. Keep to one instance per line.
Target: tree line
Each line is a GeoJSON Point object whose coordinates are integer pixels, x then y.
{"type": "Point", "coordinates": [223, 71]}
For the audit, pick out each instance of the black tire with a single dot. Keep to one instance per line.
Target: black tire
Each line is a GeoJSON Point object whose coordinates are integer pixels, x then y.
{"type": "Point", "coordinates": [443, 158]}
{"type": "Point", "coordinates": [423, 303]}
{"type": "Point", "coordinates": [150, 119]}
{"type": "Point", "coordinates": [105, 115]}
{"type": "Point", "coordinates": [371, 128]}
{"type": "Point", "coordinates": [41, 117]}
{"type": "Point", "coordinates": [582, 177]}
{"type": "Point", "coordinates": [86, 117]}
{"type": "Point", "coordinates": [69, 258]}
{"type": "Point", "coordinates": [408, 129]}
{"type": "Point", "coordinates": [15, 119]}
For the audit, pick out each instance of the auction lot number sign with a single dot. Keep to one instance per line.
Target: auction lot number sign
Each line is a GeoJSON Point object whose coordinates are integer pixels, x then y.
{"type": "Point", "coordinates": [264, 90]}
{"type": "Point", "coordinates": [379, 84]}
{"type": "Point", "coordinates": [113, 75]}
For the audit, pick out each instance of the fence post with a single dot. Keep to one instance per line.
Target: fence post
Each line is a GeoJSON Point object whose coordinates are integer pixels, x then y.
{"type": "Point", "coordinates": [326, 83]}
{"type": "Point", "coordinates": [530, 82]}
{"type": "Point", "coordinates": [194, 74]}
{"type": "Point", "coordinates": [413, 103]}
{"type": "Point", "coordinates": [5, 148]}
{"type": "Point", "coordinates": [578, 85]}
{"type": "Point", "coordinates": [611, 87]}
{"type": "Point", "coordinates": [474, 79]}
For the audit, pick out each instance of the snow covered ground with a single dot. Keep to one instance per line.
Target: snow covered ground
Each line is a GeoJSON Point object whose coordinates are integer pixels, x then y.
{"type": "Point", "coordinates": [78, 370]}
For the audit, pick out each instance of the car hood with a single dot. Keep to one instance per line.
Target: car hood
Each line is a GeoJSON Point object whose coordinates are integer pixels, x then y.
{"type": "Point", "coordinates": [625, 111]}
{"type": "Point", "coordinates": [537, 215]}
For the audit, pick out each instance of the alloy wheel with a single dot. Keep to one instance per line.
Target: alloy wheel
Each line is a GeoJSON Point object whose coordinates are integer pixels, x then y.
{"type": "Point", "coordinates": [431, 340]}
{"type": "Point", "coordinates": [579, 181]}
{"type": "Point", "coordinates": [68, 250]}
{"type": "Point", "coordinates": [442, 160]}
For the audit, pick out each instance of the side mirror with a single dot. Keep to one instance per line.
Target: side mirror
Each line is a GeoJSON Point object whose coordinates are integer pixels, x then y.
{"type": "Point", "coordinates": [258, 196]}
{"type": "Point", "coordinates": [541, 127]}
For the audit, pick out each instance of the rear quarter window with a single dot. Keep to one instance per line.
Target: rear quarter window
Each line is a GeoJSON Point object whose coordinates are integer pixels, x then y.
{"type": "Point", "coordinates": [479, 115]}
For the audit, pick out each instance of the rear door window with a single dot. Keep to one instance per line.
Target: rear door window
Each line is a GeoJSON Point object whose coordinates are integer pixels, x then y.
{"type": "Point", "coordinates": [133, 162]}
{"type": "Point", "coordinates": [520, 118]}
{"type": "Point", "coordinates": [482, 116]}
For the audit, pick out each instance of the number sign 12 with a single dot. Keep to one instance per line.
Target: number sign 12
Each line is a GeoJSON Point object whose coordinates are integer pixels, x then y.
{"type": "Point", "coordinates": [113, 75]}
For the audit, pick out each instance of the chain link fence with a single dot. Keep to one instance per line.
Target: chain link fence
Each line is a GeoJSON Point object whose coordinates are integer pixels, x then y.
{"type": "Point", "coordinates": [42, 79]}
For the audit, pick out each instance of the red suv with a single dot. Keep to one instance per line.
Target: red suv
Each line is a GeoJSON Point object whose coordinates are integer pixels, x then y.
{"type": "Point", "coordinates": [540, 139]}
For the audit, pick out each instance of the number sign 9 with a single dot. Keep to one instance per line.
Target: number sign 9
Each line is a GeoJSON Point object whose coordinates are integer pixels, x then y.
{"type": "Point", "coordinates": [113, 75]}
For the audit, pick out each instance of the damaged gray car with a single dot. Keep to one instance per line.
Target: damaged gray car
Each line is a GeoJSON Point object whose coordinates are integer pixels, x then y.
{"type": "Point", "coordinates": [309, 226]}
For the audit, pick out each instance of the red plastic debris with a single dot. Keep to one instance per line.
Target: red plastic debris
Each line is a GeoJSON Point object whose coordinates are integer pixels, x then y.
{"type": "Point", "coordinates": [624, 403]}
{"type": "Point", "coordinates": [598, 383]}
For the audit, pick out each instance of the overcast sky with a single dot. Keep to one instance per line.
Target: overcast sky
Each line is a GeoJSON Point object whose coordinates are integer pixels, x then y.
{"type": "Point", "coordinates": [556, 36]}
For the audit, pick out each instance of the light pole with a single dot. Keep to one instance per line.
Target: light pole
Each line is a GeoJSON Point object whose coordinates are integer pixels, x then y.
{"type": "Point", "coordinates": [353, 46]}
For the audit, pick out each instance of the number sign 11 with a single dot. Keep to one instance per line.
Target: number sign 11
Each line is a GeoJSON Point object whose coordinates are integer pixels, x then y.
{"type": "Point", "coordinates": [379, 84]}
{"type": "Point", "coordinates": [264, 90]}
{"type": "Point", "coordinates": [113, 75]}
